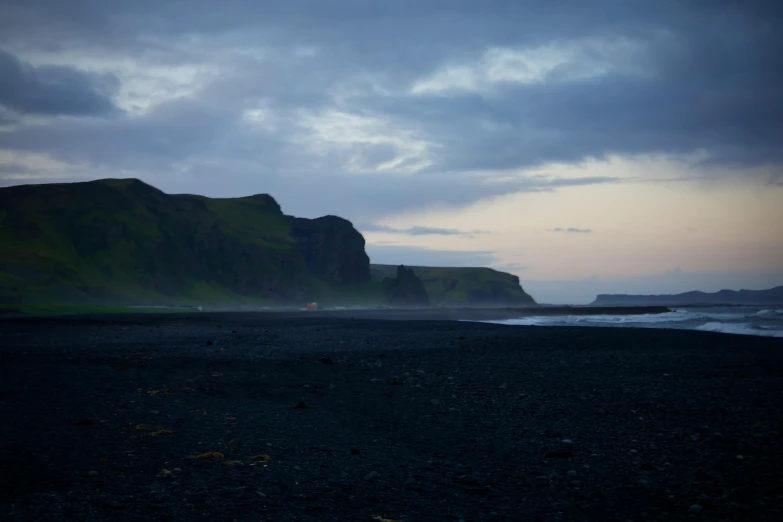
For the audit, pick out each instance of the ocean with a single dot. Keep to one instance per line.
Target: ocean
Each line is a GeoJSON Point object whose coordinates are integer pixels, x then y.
{"type": "Point", "coordinates": [742, 320]}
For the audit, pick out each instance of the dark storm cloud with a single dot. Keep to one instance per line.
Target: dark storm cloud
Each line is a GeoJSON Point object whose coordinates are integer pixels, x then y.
{"type": "Point", "coordinates": [171, 132]}
{"type": "Point", "coordinates": [443, 23]}
{"type": "Point", "coordinates": [715, 90]}
{"type": "Point", "coordinates": [53, 89]}
{"type": "Point", "coordinates": [704, 75]}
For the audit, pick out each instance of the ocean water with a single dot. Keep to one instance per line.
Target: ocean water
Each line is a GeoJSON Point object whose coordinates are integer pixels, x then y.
{"type": "Point", "coordinates": [745, 320]}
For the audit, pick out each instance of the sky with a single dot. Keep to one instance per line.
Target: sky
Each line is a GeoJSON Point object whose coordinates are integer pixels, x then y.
{"type": "Point", "coordinates": [607, 146]}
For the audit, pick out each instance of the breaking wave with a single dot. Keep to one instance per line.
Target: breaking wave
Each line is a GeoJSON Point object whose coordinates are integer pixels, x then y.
{"type": "Point", "coordinates": [739, 329]}
{"type": "Point", "coordinates": [729, 320]}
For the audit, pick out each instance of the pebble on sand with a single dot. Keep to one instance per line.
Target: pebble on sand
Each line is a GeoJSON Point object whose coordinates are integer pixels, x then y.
{"type": "Point", "coordinates": [560, 454]}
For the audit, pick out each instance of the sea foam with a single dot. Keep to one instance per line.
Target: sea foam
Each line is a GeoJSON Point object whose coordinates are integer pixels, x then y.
{"type": "Point", "coordinates": [741, 320]}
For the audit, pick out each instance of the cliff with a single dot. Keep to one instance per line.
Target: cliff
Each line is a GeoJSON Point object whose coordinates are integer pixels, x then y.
{"type": "Point", "coordinates": [456, 286]}
{"type": "Point", "coordinates": [123, 241]}
{"type": "Point", "coordinates": [333, 250]}
{"type": "Point", "coordinates": [773, 296]}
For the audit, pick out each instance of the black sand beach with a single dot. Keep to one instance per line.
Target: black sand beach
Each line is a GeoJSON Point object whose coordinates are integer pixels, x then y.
{"type": "Point", "coordinates": [101, 417]}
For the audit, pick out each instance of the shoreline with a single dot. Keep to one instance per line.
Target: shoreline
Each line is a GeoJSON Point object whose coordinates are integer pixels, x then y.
{"type": "Point", "coordinates": [407, 314]}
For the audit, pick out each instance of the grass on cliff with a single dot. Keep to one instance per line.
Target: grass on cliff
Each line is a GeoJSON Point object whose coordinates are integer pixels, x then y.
{"type": "Point", "coordinates": [119, 241]}
{"type": "Point", "coordinates": [454, 285]}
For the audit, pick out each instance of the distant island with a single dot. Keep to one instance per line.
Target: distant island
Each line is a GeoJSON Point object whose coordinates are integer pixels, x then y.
{"type": "Point", "coordinates": [773, 296]}
{"type": "Point", "coordinates": [123, 242]}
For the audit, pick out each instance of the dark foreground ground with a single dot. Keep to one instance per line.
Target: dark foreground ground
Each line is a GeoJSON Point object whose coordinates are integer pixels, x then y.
{"type": "Point", "coordinates": [100, 418]}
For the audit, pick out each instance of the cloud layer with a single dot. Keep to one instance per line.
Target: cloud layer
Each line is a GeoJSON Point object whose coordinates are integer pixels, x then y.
{"type": "Point", "coordinates": [418, 230]}
{"type": "Point", "coordinates": [421, 256]}
{"type": "Point", "coordinates": [372, 109]}
{"type": "Point", "coordinates": [54, 90]}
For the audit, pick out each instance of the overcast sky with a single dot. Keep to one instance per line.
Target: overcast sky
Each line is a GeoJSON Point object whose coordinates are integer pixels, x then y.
{"type": "Point", "coordinates": [586, 146]}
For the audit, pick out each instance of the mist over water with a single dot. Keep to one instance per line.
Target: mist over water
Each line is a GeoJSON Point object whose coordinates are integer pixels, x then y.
{"type": "Point", "coordinates": [746, 320]}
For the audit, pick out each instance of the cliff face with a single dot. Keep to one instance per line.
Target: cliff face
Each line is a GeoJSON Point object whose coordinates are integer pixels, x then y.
{"type": "Point", "coordinates": [332, 249]}
{"type": "Point", "coordinates": [464, 286]}
{"type": "Point", "coordinates": [125, 241]}
{"type": "Point", "coordinates": [405, 289]}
